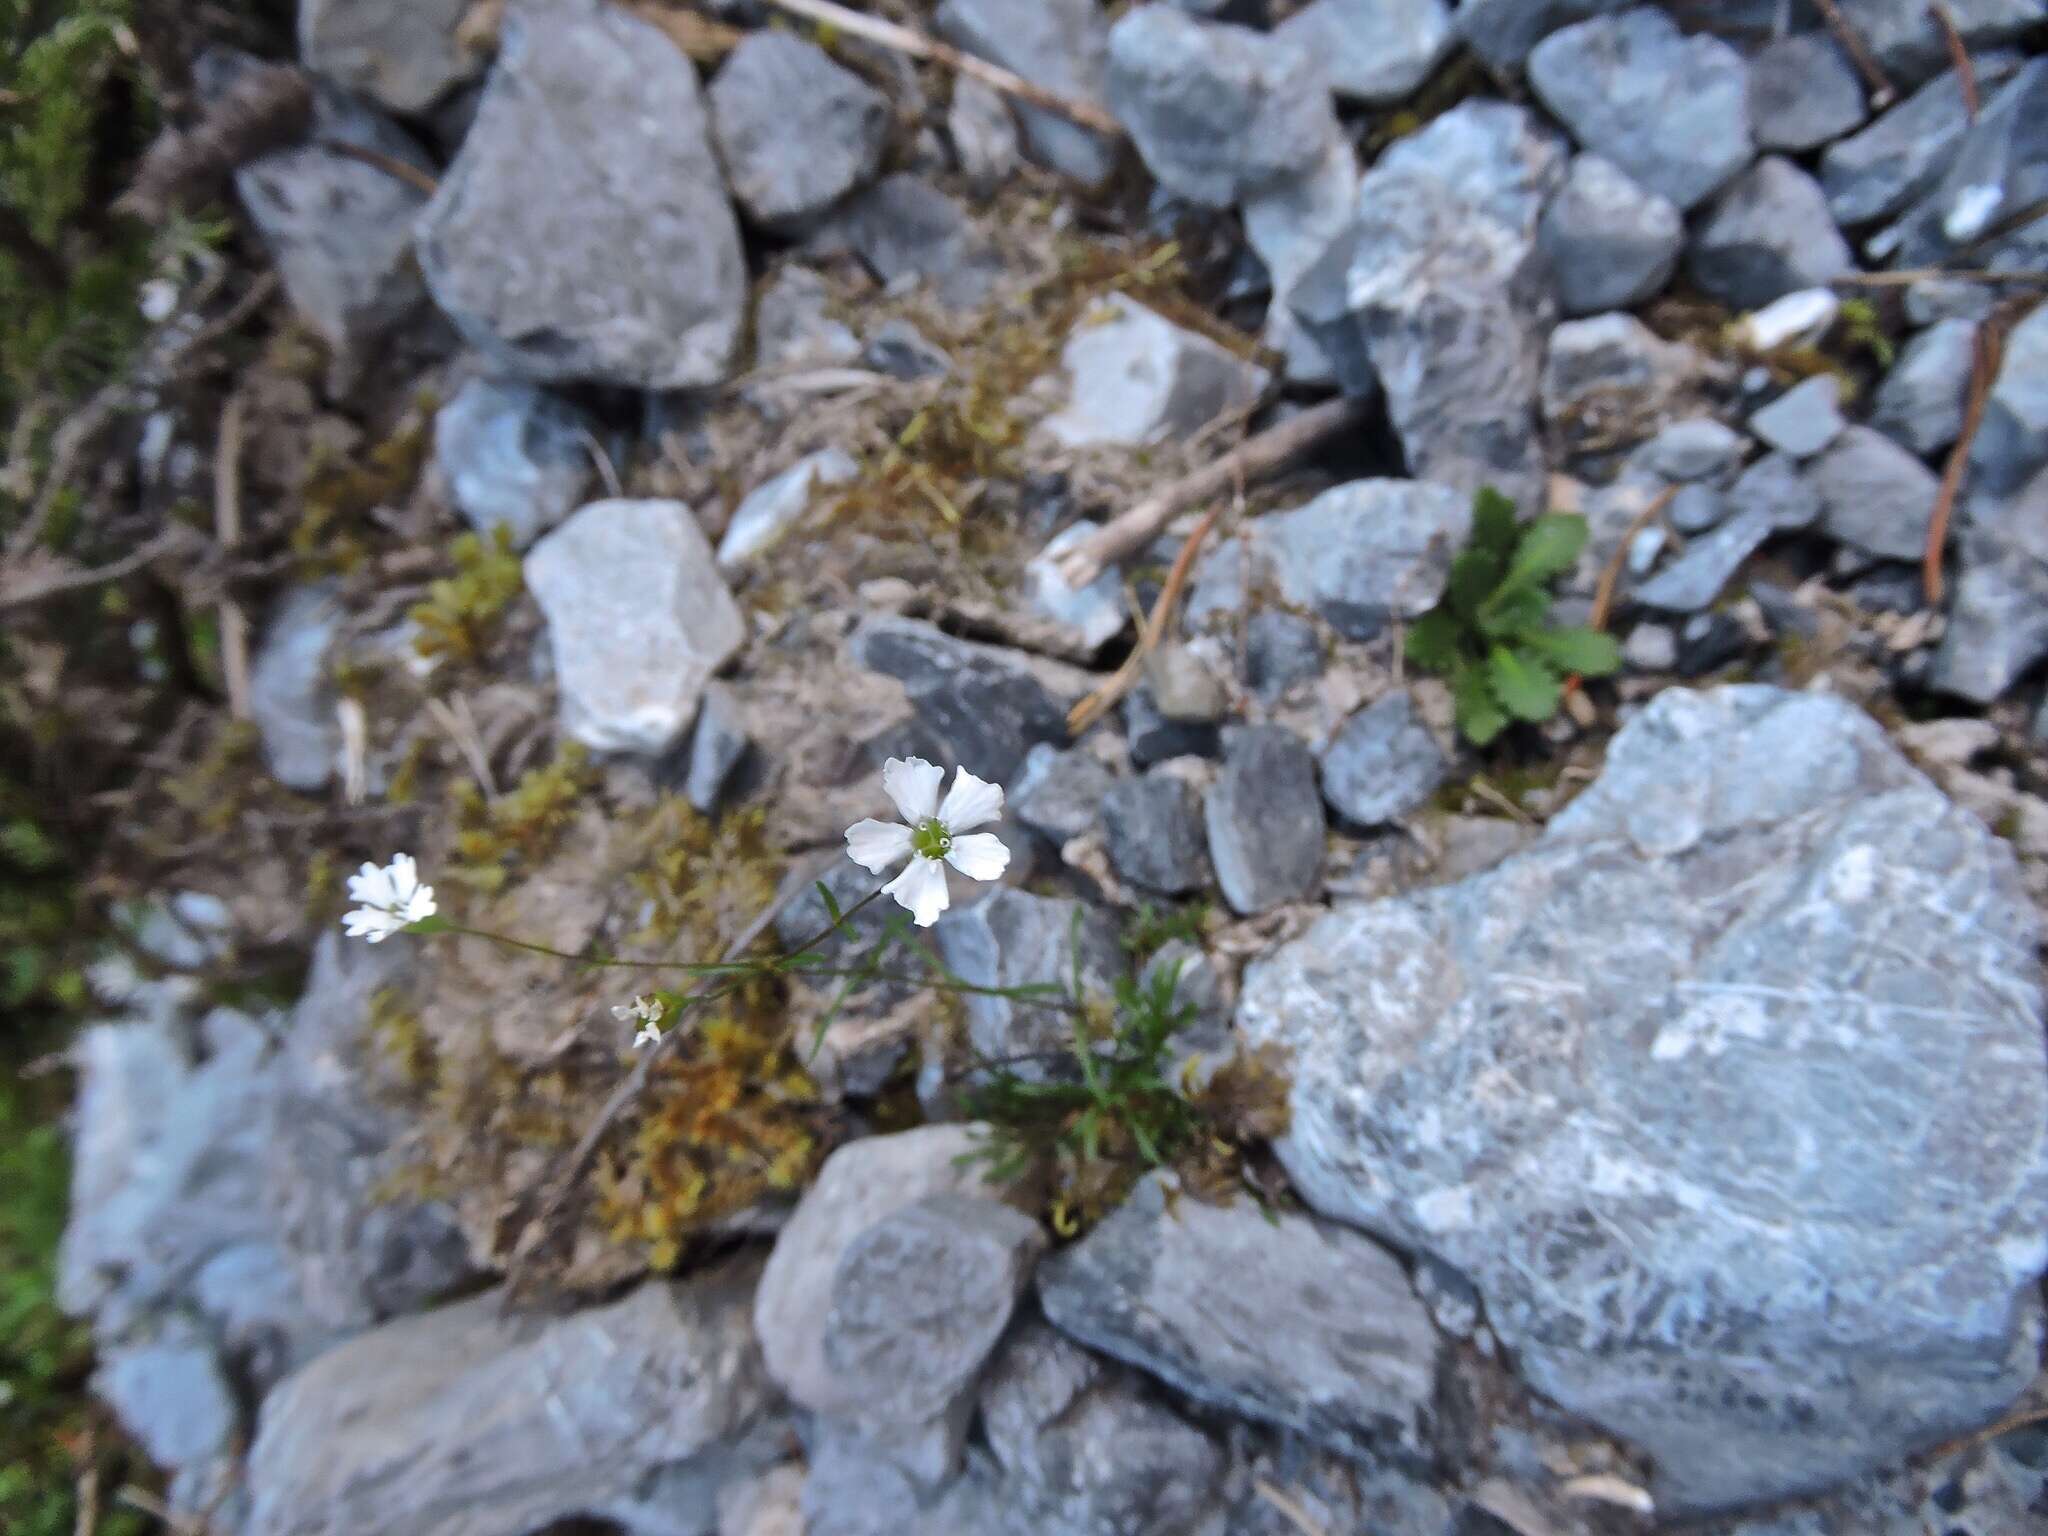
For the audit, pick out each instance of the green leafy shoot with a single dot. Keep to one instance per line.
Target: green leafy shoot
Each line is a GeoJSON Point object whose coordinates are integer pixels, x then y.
{"type": "Point", "coordinates": [1490, 636]}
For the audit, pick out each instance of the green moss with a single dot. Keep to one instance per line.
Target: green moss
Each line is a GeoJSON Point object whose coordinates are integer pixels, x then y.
{"type": "Point", "coordinates": [339, 492]}
{"type": "Point", "coordinates": [461, 615]}
{"type": "Point", "coordinates": [494, 839]}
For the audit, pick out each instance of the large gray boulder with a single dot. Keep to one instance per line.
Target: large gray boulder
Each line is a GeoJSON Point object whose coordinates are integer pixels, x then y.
{"type": "Point", "coordinates": [403, 54]}
{"type": "Point", "coordinates": [1704, 1168]}
{"type": "Point", "coordinates": [796, 131]}
{"type": "Point", "coordinates": [1059, 44]}
{"type": "Point", "coordinates": [466, 1420]}
{"type": "Point", "coordinates": [583, 232]}
{"type": "Point", "coordinates": [1768, 235]}
{"type": "Point", "coordinates": [638, 619]}
{"type": "Point", "coordinates": [1280, 1317]}
{"type": "Point", "coordinates": [1670, 110]}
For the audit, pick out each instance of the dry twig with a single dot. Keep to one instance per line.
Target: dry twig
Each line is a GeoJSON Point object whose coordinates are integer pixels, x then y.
{"type": "Point", "coordinates": [1905, 277]}
{"type": "Point", "coordinates": [1958, 55]}
{"type": "Point", "coordinates": [1103, 699]}
{"type": "Point", "coordinates": [918, 45]}
{"type": "Point", "coordinates": [1881, 91]}
{"type": "Point", "coordinates": [1255, 456]}
{"type": "Point", "coordinates": [38, 574]}
{"type": "Point", "coordinates": [1988, 349]}
{"type": "Point", "coordinates": [1289, 1506]}
{"type": "Point", "coordinates": [227, 529]}
{"type": "Point", "coordinates": [1610, 574]}
{"type": "Point", "coordinates": [376, 159]}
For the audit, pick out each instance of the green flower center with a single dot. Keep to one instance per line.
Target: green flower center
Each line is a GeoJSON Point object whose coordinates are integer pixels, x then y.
{"type": "Point", "coordinates": [930, 839]}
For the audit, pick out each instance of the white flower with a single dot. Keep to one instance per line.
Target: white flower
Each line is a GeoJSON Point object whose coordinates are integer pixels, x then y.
{"type": "Point", "coordinates": [648, 1011]}
{"type": "Point", "coordinates": [157, 299]}
{"type": "Point", "coordinates": [933, 837]}
{"type": "Point", "coordinates": [392, 899]}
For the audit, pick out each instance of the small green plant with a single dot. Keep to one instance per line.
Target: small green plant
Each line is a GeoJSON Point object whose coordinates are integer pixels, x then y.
{"type": "Point", "coordinates": [1862, 328]}
{"type": "Point", "coordinates": [1150, 929]}
{"type": "Point", "coordinates": [1489, 635]}
{"type": "Point", "coordinates": [460, 616]}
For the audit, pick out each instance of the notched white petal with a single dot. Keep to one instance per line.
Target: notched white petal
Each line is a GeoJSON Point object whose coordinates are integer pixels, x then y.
{"type": "Point", "coordinates": [921, 891]}
{"type": "Point", "coordinates": [971, 802]}
{"type": "Point", "coordinates": [979, 856]}
{"type": "Point", "coordinates": [877, 845]}
{"type": "Point", "coordinates": [913, 784]}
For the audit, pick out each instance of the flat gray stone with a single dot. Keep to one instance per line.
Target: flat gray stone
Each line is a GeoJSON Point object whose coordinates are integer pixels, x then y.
{"type": "Point", "coordinates": [1137, 379]}
{"type": "Point", "coordinates": [1373, 51]}
{"type": "Point", "coordinates": [465, 1419]}
{"type": "Point", "coordinates": [1704, 1172]}
{"type": "Point", "coordinates": [1670, 110]}
{"type": "Point", "coordinates": [1265, 821]}
{"type": "Point", "coordinates": [171, 1394]}
{"type": "Point", "coordinates": [1696, 508]}
{"type": "Point", "coordinates": [1610, 379]}
{"type": "Point", "coordinates": [515, 457]}
{"type": "Point", "coordinates": [1774, 481]}
{"type": "Point", "coordinates": [402, 54]}
{"type": "Point", "coordinates": [1803, 420]}
{"type": "Point", "coordinates": [1876, 173]}
{"type": "Point", "coordinates": [291, 691]}
{"type": "Point", "coordinates": [1366, 553]}
{"type": "Point", "coordinates": [1610, 243]}
{"type": "Point", "coordinates": [638, 621]}
{"type": "Point", "coordinates": [779, 504]}
{"type": "Point", "coordinates": [1874, 494]}
{"type": "Point", "coordinates": [1279, 1317]}
{"type": "Point", "coordinates": [1502, 32]}
{"type": "Point", "coordinates": [583, 232]}
{"type": "Point", "coordinates": [1767, 235]}
{"type": "Point", "coordinates": [1012, 938]}
{"type": "Point", "coordinates": [1803, 93]}
{"type": "Point", "coordinates": [796, 132]}
{"type": "Point", "coordinates": [717, 745]}
{"type": "Point", "coordinates": [1999, 174]}
{"type": "Point", "coordinates": [1383, 763]}
{"type": "Point", "coordinates": [908, 232]}
{"type": "Point", "coordinates": [1281, 650]}
{"type": "Point", "coordinates": [1154, 828]}
{"type": "Point", "coordinates": [1692, 581]}
{"type": "Point", "coordinates": [1153, 737]}
{"type": "Point", "coordinates": [792, 327]}
{"type": "Point", "coordinates": [982, 706]}
{"type": "Point", "coordinates": [1216, 111]}
{"type": "Point", "coordinates": [983, 132]}
{"type": "Point", "coordinates": [1059, 44]}
{"type": "Point", "coordinates": [902, 351]}
{"type": "Point", "coordinates": [1698, 448]}
{"type": "Point", "coordinates": [1092, 615]}
{"type": "Point", "coordinates": [1058, 794]}
{"type": "Point", "coordinates": [1919, 404]}
{"type": "Point", "coordinates": [1288, 224]}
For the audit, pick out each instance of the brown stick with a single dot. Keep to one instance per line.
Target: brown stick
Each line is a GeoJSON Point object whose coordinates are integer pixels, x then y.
{"type": "Point", "coordinates": [918, 46]}
{"type": "Point", "coordinates": [1103, 699]}
{"type": "Point", "coordinates": [1881, 92]}
{"type": "Point", "coordinates": [1988, 349]}
{"type": "Point", "coordinates": [1255, 456]}
{"type": "Point", "coordinates": [376, 159]}
{"type": "Point", "coordinates": [1958, 55]}
{"type": "Point", "coordinates": [227, 528]}
{"type": "Point", "coordinates": [1905, 277]}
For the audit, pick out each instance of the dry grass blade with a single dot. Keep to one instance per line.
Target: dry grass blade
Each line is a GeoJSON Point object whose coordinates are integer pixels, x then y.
{"type": "Point", "coordinates": [390, 165]}
{"type": "Point", "coordinates": [1104, 699]}
{"type": "Point", "coordinates": [1882, 93]}
{"type": "Point", "coordinates": [1958, 56]}
{"type": "Point", "coordinates": [1989, 348]}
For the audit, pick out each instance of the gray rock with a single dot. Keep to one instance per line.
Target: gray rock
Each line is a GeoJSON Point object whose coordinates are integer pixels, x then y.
{"type": "Point", "coordinates": [1449, 306]}
{"type": "Point", "coordinates": [900, 350]}
{"type": "Point", "coordinates": [1697, 448]}
{"type": "Point", "coordinates": [333, 1140]}
{"type": "Point", "coordinates": [1909, 47]}
{"type": "Point", "coordinates": [796, 131]}
{"type": "Point", "coordinates": [1768, 235]}
{"type": "Point", "coordinates": [983, 134]}
{"type": "Point", "coordinates": [291, 694]}
{"type": "Point", "coordinates": [1282, 1318]}
{"type": "Point", "coordinates": [1650, 648]}
{"type": "Point", "coordinates": [982, 705]}
{"type": "Point", "coordinates": [717, 745]}
{"type": "Point", "coordinates": [1183, 686]}
{"type": "Point", "coordinates": [1265, 821]}
{"type": "Point", "coordinates": [1015, 939]}
{"type": "Point", "coordinates": [1612, 379]}
{"type": "Point", "coordinates": [1998, 622]}
{"type": "Point", "coordinates": [1366, 553]}
{"type": "Point", "coordinates": [1372, 51]}
{"type": "Point", "coordinates": [1874, 494]}
{"type": "Point", "coordinates": [1281, 650]}
{"type": "Point", "coordinates": [1288, 224]}
{"type": "Point", "coordinates": [1153, 737]}
{"type": "Point", "coordinates": [1494, 156]}
{"type": "Point", "coordinates": [1383, 763]}
{"type": "Point", "coordinates": [172, 1397]}
{"type": "Point", "coordinates": [1610, 244]}
{"type": "Point", "coordinates": [1749, 1050]}
{"type": "Point", "coordinates": [1919, 404]}
{"type": "Point", "coordinates": [919, 1299]}
{"type": "Point", "coordinates": [638, 621]}
{"type": "Point", "coordinates": [1217, 112]}
{"type": "Point", "coordinates": [1774, 481]}
{"type": "Point", "coordinates": [1878, 172]}
{"type": "Point", "coordinates": [2012, 443]}
{"type": "Point", "coordinates": [1138, 379]}
{"type": "Point", "coordinates": [1695, 508]}
{"type": "Point", "coordinates": [465, 1419]}
{"type": "Point", "coordinates": [792, 328]}
{"type": "Point", "coordinates": [340, 231]}
{"type": "Point", "coordinates": [1154, 829]}
{"type": "Point", "coordinates": [1803, 93]}
{"type": "Point", "coordinates": [1692, 581]}
{"type": "Point", "coordinates": [907, 231]}
{"type": "Point", "coordinates": [863, 1183]}
{"type": "Point", "coordinates": [403, 54]}
{"type": "Point", "coordinates": [1058, 44]}
{"type": "Point", "coordinates": [515, 457]}
{"type": "Point", "coordinates": [1803, 420]}
{"type": "Point", "coordinates": [1670, 110]}
{"type": "Point", "coordinates": [1058, 794]}
{"type": "Point", "coordinates": [1502, 32]}
{"type": "Point", "coordinates": [583, 231]}
{"type": "Point", "coordinates": [780, 503]}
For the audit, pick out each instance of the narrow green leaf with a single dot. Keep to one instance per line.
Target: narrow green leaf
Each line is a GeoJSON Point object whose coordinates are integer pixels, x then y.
{"type": "Point", "coordinates": [1479, 713]}
{"type": "Point", "coordinates": [1525, 686]}
{"type": "Point", "coordinates": [1512, 610]}
{"type": "Point", "coordinates": [1587, 652]}
{"type": "Point", "coordinates": [1493, 524]}
{"type": "Point", "coordinates": [1432, 642]}
{"type": "Point", "coordinates": [1549, 546]}
{"type": "Point", "coordinates": [831, 905]}
{"type": "Point", "coordinates": [1474, 574]}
